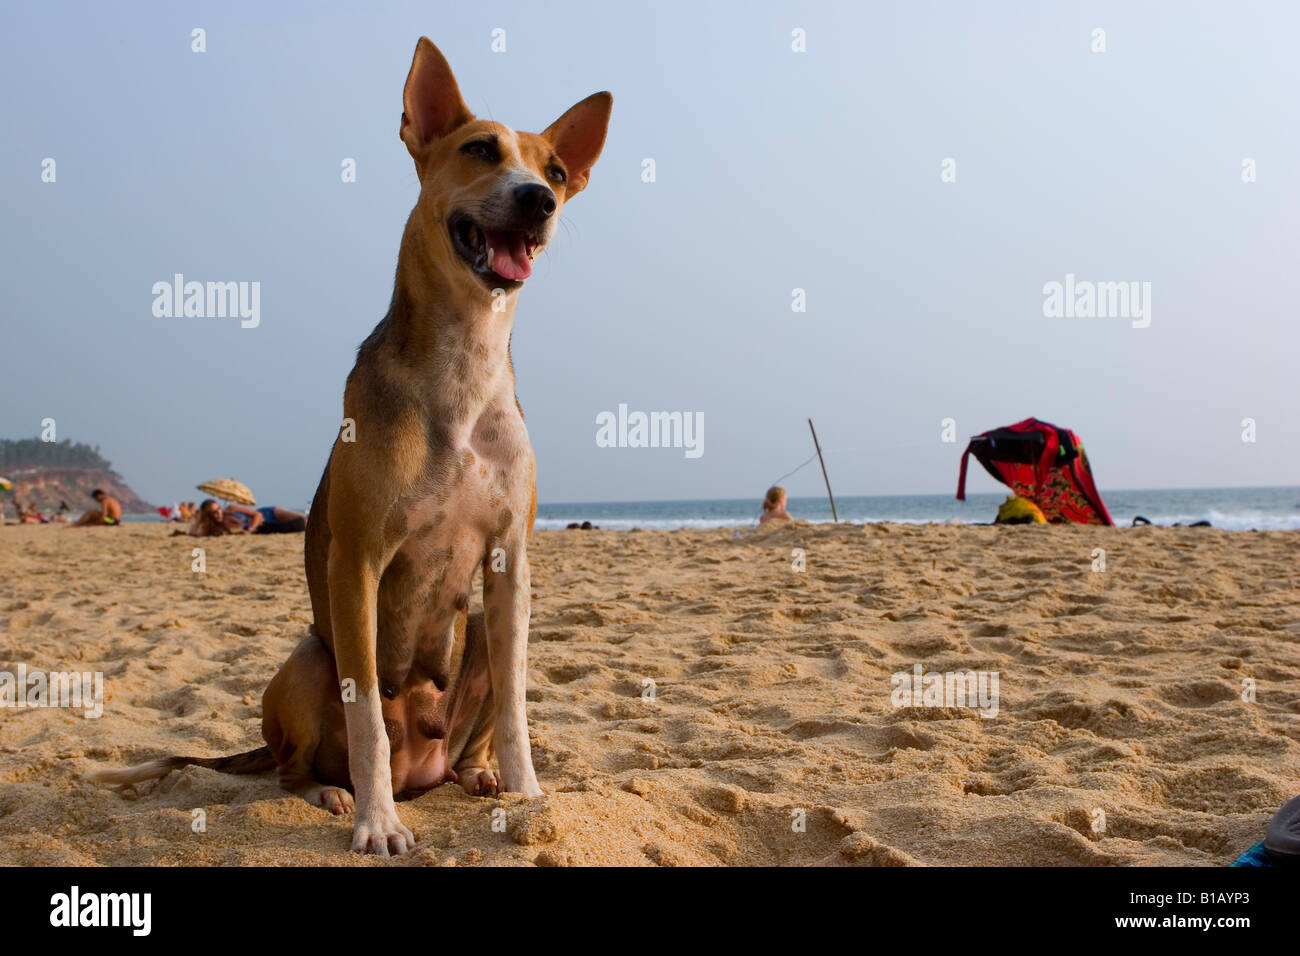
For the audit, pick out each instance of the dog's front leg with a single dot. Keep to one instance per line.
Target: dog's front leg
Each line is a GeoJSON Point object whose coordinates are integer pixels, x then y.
{"type": "Point", "coordinates": [354, 588]}
{"type": "Point", "coordinates": [506, 607]}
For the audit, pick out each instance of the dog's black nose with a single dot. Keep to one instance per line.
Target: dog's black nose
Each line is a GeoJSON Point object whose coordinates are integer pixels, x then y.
{"type": "Point", "coordinates": [535, 201]}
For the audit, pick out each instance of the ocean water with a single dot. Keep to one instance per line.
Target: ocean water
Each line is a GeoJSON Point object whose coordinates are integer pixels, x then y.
{"type": "Point", "coordinates": [1236, 509]}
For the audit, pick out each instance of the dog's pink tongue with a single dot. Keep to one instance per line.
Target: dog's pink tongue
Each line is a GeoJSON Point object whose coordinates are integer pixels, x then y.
{"type": "Point", "coordinates": [509, 255]}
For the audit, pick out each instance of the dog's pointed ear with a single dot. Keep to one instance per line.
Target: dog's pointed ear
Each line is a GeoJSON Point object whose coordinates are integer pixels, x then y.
{"type": "Point", "coordinates": [578, 137]}
{"type": "Point", "coordinates": [431, 103]}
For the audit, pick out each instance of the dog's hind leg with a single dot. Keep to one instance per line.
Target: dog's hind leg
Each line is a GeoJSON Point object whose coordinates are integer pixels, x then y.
{"type": "Point", "coordinates": [334, 799]}
{"type": "Point", "coordinates": [303, 725]}
{"type": "Point", "coordinates": [471, 719]}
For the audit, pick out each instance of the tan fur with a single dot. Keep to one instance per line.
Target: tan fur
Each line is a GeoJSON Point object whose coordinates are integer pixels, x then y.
{"type": "Point", "coordinates": [439, 480]}
{"type": "Point", "coordinates": [440, 476]}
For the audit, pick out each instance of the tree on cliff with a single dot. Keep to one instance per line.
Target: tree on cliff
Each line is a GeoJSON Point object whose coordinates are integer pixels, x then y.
{"type": "Point", "coordinates": [34, 453]}
{"type": "Point", "coordinates": [48, 473]}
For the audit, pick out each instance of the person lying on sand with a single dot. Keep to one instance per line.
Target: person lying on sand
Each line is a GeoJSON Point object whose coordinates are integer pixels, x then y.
{"type": "Point", "coordinates": [109, 511]}
{"type": "Point", "coordinates": [213, 520]}
{"type": "Point", "coordinates": [269, 520]}
{"type": "Point", "coordinates": [774, 506]}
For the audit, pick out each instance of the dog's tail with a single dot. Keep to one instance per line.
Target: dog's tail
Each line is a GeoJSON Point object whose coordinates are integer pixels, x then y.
{"type": "Point", "coordinates": [252, 761]}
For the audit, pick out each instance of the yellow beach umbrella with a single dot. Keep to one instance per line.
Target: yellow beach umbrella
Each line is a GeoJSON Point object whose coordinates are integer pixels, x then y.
{"type": "Point", "coordinates": [228, 489]}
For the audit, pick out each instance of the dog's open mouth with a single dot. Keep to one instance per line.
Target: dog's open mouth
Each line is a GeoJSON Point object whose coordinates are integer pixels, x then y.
{"type": "Point", "coordinates": [503, 253]}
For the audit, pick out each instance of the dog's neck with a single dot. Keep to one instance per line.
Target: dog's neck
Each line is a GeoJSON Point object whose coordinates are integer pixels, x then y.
{"type": "Point", "coordinates": [445, 333]}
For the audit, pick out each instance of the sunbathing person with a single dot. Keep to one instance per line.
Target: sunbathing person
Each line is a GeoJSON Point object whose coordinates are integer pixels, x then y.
{"type": "Point", "coordinates": [774, 506]}
{"type": "Point", "coordinates": [212, 519]}
{"type": "Point", "coordinates": [109, 511]}
{"type": "Point", "coordinates": [270, 519]}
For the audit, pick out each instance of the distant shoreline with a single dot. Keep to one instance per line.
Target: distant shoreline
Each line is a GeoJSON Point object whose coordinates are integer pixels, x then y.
{"type": "Point", "coordinates": [1237, 509]}
{"type": "Point", "coordinates": [936, 494]}
{"type": "Point", "coordinates": [1272, 508]}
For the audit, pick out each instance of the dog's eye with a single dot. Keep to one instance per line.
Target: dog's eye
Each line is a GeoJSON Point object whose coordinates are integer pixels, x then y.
{"type": "Point", "coordinates": [481, 149]}
{"type": "Point", "coordinates": [557, 175]}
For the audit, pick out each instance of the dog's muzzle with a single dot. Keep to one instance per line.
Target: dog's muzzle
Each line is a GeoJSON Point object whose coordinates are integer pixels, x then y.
{"type": "Point", "coordinates": [506, 250]}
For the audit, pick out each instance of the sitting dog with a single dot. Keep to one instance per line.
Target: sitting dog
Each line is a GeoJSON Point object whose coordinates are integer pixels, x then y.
{"type": "Point", "coordinates": [397, 689]}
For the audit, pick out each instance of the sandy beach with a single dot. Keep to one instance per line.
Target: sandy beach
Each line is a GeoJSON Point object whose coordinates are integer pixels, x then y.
{"type": "Point", "coordinates": [768, 735]}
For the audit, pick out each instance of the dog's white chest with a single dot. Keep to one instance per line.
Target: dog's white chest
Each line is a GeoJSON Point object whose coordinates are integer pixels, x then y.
{"type": "Point", "coordinates": [476, 498]}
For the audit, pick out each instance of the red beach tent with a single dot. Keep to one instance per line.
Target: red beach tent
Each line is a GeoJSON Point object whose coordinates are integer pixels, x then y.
{"type": "Point", "coordinates": [1043, 463]}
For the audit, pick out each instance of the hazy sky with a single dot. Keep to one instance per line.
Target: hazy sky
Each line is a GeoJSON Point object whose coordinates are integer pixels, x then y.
{"type": "Point", "coordinates": [775, 170]}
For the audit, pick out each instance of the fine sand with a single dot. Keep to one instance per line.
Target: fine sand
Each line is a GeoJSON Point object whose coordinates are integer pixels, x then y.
{"type": "Point", "coordinates": [1121, 738]}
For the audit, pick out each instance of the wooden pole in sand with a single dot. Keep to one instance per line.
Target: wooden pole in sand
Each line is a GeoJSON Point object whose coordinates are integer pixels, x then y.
{"type": "Point", "coordinates": [829, 494]}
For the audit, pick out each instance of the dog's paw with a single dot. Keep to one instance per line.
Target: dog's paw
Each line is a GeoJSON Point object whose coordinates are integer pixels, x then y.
{"type": "Point", "coordinates": [526, 788]}
{"type": "Point", "coordinates": [479, 781]}
{"type": "Point", "coordinates": [381, 832]}
{"type": "Point", "coordinates": [334, 799]}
